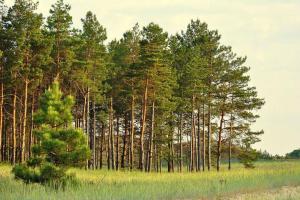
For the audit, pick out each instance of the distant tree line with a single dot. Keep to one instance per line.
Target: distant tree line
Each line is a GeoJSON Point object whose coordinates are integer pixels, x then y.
{"type": "Point", "coordinates": [264, 155]}
{"type": "Point", "coordinates": [144, 101]}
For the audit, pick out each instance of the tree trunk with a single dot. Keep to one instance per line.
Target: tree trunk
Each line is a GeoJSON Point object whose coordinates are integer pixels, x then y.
{"type": "Point", "coordinates": [1, 115]}
{"type": "Point", "coordinates": [84, 115]}
{"type": "Point", "coordinates": [112, 142]}
{"type": "Point", "coordinates": [192, 135]}
{"type": "Point", "coordinates": [180, 143]}
{"type": "Point", "coordinates": [132, 133]}
{"type": "Point", "coordinates": [94, 134]}
{"type": "Point", "coordinates": [117, 145]}
{"type": "Point", "coordinates": [108, 144]}
{"type": "Point", "coordinates": [209, 137]}
{"type": "Point", "coordinates": [31, 126]}
{"type": "Point", "coordinates": [203, 138]}
{"type": "Point", "coordinates": [124, 150]}
{"type": "Point", "coordinates": [24, 121]}
{"type": "Point", "coordinates": [143, 126]}
{"type": "Point", "coordinates": [230, 135]}
{"type": "Point", "coordinates": [199, 143]}
{"type": "Point", "coordinates": [151, 137]}
{"type": "Point", "coordinates": [101, 146]}
{"type": "Point", "coordinates": [14, 127]}
{"type": "Point", "coordinates": [220, 142]}
{"type": "Point", "coordinates": [87, 121]}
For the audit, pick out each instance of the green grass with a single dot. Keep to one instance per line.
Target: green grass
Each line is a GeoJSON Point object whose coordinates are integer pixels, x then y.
{"type": "Point", "coordinates": [137, 185]}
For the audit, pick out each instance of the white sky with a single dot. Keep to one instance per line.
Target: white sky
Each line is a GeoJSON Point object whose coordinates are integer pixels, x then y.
{"type": "Point", "coordinates": [266, 31]}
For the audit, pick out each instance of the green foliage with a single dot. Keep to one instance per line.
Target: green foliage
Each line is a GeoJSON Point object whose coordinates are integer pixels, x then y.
{"type": "Point", "coordinates": [294, 154]}
{"type": "Point", "coordinates": [54, 111]}
{"type": "Point", "coordinates": [59, 147]}
{"type": "Point", "coordinates": [27, 174]}
{"type": "Point", "coordinates": [58, 30]}
{"type": "Point", "coordinates": [247, 157]}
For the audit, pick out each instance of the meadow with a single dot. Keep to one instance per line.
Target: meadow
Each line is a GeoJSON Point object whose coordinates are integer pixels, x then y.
{"type": "Point", "coordinates": [103, 184]}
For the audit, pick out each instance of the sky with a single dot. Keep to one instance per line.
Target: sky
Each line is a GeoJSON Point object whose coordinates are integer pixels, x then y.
{"type": "Point", "coordinates": [266, 31]}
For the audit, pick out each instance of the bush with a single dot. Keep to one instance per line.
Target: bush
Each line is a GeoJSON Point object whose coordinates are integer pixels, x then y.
{"type": "Point", "coordinates": [247, 157]}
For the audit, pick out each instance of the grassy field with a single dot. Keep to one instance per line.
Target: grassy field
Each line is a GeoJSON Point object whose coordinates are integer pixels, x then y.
{"type": "Point", "coordinates": [267, 176]}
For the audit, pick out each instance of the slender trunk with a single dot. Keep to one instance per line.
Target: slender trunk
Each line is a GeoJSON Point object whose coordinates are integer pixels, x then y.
{"type": "Point", "coordinates": [180, 143]}
{"type": "Point", "coordinates": [24, 121]}
{"type": "Point", "coordinates": [124, 150]}
{"type": "Point", "coordinates": [220, 141]}
{"type": "Point", "coordinates": [209, 137]}
{"type": "Point", "coordinates": [230, 135]}
{"type": "Point", "coordinates": [57, 70]}
{"type": "Point", "coordinates": [31, 126]}
{"type": "Point", "coordinates": [117, 145]}
{"type": "Point", "coordinates": [112, 142]}
{"type": "Point", "coordinates": [151, 137]}
{"type": "Point", "coordinates": [108, 144]}
{"type": "Point", "coordinates": [203, 138]}
{"type": "Point", "coordinates": [199, 143]}
{"type": "Point", "coordinates": [195, 145]}
{"type": "Point", "coordinates": [87, 120]}
{"type": "Point", "coordinates": [1, 115]}
{"type": "Point", "coordinates": [132, 133]}
{"type": "Point", "coordinates": [192, 135]}
{"type": "Point", "coordinates": [94, 134]}
{"type": "Point", "coordinates": [14, 128]}
{"type": "Point", "coordinates": [84, 115]}
{"type": "Point", "coordinates": [101, 145]}
{"type": "Point", "coordinates": [143, 126]}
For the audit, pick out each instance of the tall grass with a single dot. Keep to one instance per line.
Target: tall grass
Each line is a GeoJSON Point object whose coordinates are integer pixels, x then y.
{"type": "Point", "coordinates": [137, 185]}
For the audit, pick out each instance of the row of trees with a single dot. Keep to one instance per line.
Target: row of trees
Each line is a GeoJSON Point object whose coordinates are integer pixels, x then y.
{"type": "Point", "coordinates": [145, 100]}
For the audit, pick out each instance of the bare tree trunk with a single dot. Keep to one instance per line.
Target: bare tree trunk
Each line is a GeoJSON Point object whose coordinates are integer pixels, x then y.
{"type": "Point", "coordinates": [180, 143]}
{"type": "Point", "coordinates": [84, 115]}
{"type": "Point", "coordinates": [14, 127]}
{"type": "Point", "coordinates": [230, 135]}
{"type": "Point", "coordinates": [94, 134]}
{"type": "Point", "coordinates": [108, 144]}
{"type": "Point", "coordinates": [101, 145]}
{"type": "Point", "coordinates": [143, 125]}
{"type": "Point", "coordinates": [203, 138]}
{"type": "Point", "coordinates": [117, 145]}
{"type": "Point", "coordinates": [31, 126]}
{"type": "Point", "coordinates": [112, 134]}
{"type": "Point", "coordinates": [132, 133]}
{"type": "Point", "coordinates": [1, 114]}
{"type": "Point", "coordinates": [155, 164]}
{"type": "Point", "coordinates": [24, 121]}
{"type": "Point", "coordinates": [151, 136]}
{"type": "Point", "coordinates": [199, 143]}
{"type": "Point", "coordinates": [220, 142]}
{"type": "Point", "coordinates": [209, 137]}
{"type": "Point", "coordinates": [124, 142]}
{"type": "Point", "coordinates": [87, 126]}
{"type": "Point", "coordinates": [192, 134]}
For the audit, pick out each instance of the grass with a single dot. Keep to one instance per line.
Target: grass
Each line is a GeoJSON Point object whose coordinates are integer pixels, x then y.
{"type": "Point", "coordinates": [137, 185]}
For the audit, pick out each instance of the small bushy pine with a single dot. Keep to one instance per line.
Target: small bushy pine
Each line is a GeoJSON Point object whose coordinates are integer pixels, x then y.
{"type": "Point", "coordinates": [59, 145]}
{"type": "Point", "coordinates": [247, 157]}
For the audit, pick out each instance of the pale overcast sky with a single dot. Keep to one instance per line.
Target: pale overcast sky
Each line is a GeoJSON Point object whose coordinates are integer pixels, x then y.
{"type": "Point", "coordinates": [266, 31]}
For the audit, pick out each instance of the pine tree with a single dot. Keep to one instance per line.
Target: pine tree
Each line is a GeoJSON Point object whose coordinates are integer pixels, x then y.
{"type": "Point", "coordinates": [58, 28]}
{"type": "Point", "coordinates": [89, 71]}
{"type": "Point", "coordinates": [159, 82]}
{"type": "Point", "coordinates": [60, 146]}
